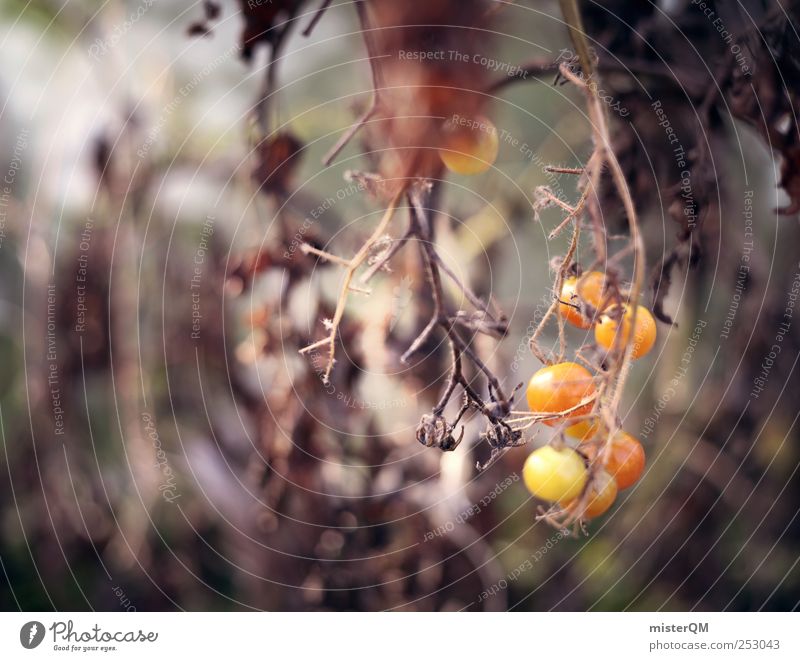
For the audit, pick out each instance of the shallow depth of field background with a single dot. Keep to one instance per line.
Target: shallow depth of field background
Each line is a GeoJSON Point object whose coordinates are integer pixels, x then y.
{"type": "Point", "coordinates": [142, 467]}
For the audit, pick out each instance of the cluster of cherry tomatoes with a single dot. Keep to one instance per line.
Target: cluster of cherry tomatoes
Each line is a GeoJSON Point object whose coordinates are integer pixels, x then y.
{"type": "Point", "coordinates": [588, 289]}
{"type": "Point", "coordinates": [566, 390]}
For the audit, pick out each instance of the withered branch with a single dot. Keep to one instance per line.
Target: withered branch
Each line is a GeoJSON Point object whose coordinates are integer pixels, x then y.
{"type": "Point", "coordinates": [376, 85]}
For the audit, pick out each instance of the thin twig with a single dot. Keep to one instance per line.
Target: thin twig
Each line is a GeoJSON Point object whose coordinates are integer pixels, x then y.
{"type": "Point", "coordinates": [375, 72]}
{"type": "Point", "coordinates": [308, 249]}
{"type": "Point", "coordinates": [554, 199]}
{"type": "Point", "coordinates": [472, 297]}
{"type": "Point", "coordinates": [352, 266]}
{"type": "Point", "coordinates": [341, 143]}
{"type": "Point", "coordinates": [419, 340]}
{"type": "Point", "coordinates": [384, 259]}
{"type": "Point", "coordinates": [263, 104]}
{"type": "Point", "coordinates": [315, 19]}
{"type": "Point", "coordinates": [563, 170]}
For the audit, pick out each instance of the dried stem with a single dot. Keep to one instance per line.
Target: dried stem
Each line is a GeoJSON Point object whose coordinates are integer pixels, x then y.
{"type": "Point", "coordinates": [383, 260]}
{"type": "Point", "coordinates": [315, 19]}
{"type": "Point", "coordinates": [263, 105]}
{"type": "Point", "coordinates": [342, 142]}
{"type": "Point", "coordinates": [505, 427]}
{"type": "Point", "coordinates": [350, 268]}
{"type": "Point", "coordinates": [611, 378]}
{"type": "Point", "coordinates": [434, 430]}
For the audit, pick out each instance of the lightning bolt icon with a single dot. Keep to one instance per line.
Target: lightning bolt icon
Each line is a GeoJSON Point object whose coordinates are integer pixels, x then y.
{"type": "Point", "coordinates": [32, 633]}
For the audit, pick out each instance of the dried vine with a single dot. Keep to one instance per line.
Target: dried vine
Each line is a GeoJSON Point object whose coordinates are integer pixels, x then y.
{"type": "Point", "coordinates": [407, 183]}
{"type": "Point", "coordinates": [434, 429]}
{"type": "Point", "coordinates": [505, 425]}
{"type": "Point", "coordinates": [613, 367]}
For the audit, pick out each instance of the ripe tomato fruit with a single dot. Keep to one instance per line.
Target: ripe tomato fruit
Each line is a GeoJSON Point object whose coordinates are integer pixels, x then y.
{"type": "Point", "coordinates": [625, 460]}
{"type": "Point", "coordinates": [644, 335]}
{"type": "Point", "coordinates": [469, 146]}
{"type": "Point", "coordinates": [558, 388]}
{"type": "Point", "coordinates": [583, 430]}
{"type": "Point", "coordinates": [554, 475]}
{"type": "Point", "coordinates": [570, 295]}
{"type": "Point", "coordinates": [602, 495]}
{"type": "Point", "coordinates": [590, 288]}
{"type": "Point", "coordinates": [587, 288]}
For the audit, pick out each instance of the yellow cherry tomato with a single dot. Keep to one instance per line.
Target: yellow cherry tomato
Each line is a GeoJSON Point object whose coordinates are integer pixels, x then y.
{"type": "Point", "coordinates": [558, 388]}
{"type": "Point", "coordinates": [644, 335]}
{"type": "Point", "coordinates": [554, 475]}
{"type": "Point", "coordinates": [469, 146]}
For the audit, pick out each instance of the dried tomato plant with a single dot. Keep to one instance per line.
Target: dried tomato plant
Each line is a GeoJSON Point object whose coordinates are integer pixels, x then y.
{"type": "Point", "coordinates": [402, 136]}
{"type": "Point", "coordinates": [409, 103]}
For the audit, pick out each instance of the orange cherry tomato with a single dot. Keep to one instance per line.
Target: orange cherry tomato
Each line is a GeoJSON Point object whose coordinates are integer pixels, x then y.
{"type": "Point", "coordinates": [590, 288]}
{"type": "Point", "coordinates": [558, 388]}
{"type": "Point", "coordinates": [602, 495]}
{"type": "Point", "coordinates": [469, 146]}
{"type": "Point", "coordinates": [583, 430]}
{"type": "Point", "coordinates": [569, 295]}
{"type": "Point", "coordinates": [626, 460]}
{"type": "Point", "coordinates": [644, 336]}
{"type": "Point", "coordinates": [587, 288]}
